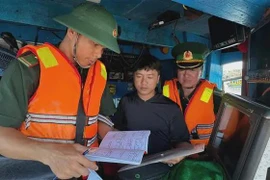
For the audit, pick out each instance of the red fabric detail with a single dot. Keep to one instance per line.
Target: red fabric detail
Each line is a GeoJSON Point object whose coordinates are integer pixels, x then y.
{"type": "Point", "coordinates": [110, 169]}
{"type": "Point", "coordinates": [243, 47]}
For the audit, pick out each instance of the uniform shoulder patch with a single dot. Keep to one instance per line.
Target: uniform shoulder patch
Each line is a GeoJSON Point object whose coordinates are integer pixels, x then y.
{"type": "Point", "coordinates": [29, 59]}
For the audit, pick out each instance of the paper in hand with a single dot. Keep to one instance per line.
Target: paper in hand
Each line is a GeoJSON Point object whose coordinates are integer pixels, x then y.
{"type": "Point", "coordinates": [93, 175]}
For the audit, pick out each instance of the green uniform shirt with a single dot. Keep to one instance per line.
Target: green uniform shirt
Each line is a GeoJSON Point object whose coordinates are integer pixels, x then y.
{"type": "Point", "coordinates": [17, 86]}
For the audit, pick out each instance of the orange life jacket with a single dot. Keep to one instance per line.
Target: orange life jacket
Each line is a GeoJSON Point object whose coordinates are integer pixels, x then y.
{"type": "Point", "coordinates": [52, 110]}
{"type": "Point", "coordinates": [199, 114]}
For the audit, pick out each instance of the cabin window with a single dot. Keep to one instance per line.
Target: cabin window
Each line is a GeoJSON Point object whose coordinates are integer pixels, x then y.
{"type": "Point", "coordinates": [232, 77]}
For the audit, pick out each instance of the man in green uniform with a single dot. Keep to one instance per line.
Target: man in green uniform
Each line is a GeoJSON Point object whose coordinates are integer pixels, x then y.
{"type": "Point", "coordinates": [82, 46]}
{"type": "Point", "coordinates": [23, 81]}
{"type": "Point", "coordinates": [198, 98]}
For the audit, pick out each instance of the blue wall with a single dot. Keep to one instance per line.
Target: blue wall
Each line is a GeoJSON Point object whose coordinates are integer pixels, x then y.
{"type": "Point", "coordinates": [214, 71]}
{"type": "Point", "coordinates": [231, 57]}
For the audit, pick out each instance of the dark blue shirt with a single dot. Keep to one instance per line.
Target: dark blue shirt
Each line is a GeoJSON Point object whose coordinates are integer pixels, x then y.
{"type": "Point", "coordinates": [159, 114]}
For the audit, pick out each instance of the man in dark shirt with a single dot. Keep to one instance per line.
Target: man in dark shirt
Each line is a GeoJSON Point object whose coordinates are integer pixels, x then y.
{"type": "Point", "coordinates": [147, 110]}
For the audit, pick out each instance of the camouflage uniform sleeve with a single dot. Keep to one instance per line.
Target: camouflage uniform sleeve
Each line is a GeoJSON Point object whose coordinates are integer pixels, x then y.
{"type": "Point", "coordinates": [107, 107]}
{"type": "Point", "coordinates": [18, 84]}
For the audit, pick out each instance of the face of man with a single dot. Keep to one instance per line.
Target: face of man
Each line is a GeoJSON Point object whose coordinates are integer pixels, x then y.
{"type": "Point", "coordinates": [87, 51]}
{"type": "Point", "coordinates": [145, 82]}
{"type": "Point", "coordinates": [189, 78]}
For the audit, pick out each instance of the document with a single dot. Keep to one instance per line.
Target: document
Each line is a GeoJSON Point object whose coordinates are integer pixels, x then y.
{"type": "Point", "coordinates": [123, 147]}
{"type": "Point", "coordinates": [93, 175]}
{"type": "Point", "coordinates": [167, 155]}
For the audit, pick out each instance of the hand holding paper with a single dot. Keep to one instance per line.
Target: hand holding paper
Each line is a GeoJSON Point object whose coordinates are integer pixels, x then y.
{"type": "Point", "coordinates": [93, 175]}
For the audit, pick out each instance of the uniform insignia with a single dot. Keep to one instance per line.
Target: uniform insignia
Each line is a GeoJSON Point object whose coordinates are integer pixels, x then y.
{"type": "Point", "coordinates": [114, 33]}
{"type": "Point", "coordinates": [28, 59]}
{"type": "Point", "coordinates": [188, 55]}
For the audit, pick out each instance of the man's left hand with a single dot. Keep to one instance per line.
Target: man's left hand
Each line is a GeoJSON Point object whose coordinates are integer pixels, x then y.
{"type": "Point", "coordinates": [176, 160]}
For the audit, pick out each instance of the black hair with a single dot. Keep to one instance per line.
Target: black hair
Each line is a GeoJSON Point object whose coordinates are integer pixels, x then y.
{"type": "Point", "coordinates": [148, 62]}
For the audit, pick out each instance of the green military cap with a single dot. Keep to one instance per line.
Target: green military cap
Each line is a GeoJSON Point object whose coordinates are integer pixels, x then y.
{"type": "Point", "coordinates": [93, 21]}
{"type": "Point", "coordinates": [190, 55]}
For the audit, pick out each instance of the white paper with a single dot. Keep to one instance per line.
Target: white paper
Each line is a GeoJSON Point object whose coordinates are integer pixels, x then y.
{"type": "Point", "coordinates": [167, 155]}
{"type": "Point", "coordinates": [124, 147]}
{"type": "Point", "coordinates": [137, 140]}
{"type": "Point", "coordinates": [121, 156]}
{"type": "Point", "coordinates": [93, 175]}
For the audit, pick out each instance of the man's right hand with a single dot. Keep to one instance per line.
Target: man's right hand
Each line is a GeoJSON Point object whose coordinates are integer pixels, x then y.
{"type": "Point", "coordinates": [66, 160]}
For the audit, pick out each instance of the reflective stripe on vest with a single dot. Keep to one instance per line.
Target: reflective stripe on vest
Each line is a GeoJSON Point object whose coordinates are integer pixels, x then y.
{"type": "Point", "coordinates": [203, 131]}
{"type": "Point", "coordinates": [199, 114]}
{"type": "Point", "coordinates": [53, 140]}
{"type": "Point", "coordinates": [52, 110]}
{"type": "Point", "coordinates": [105, 120]}
{"type": "Point", "coordinates": [90, 142]}
{"type": "Point", "coordinates": [56, 119]}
